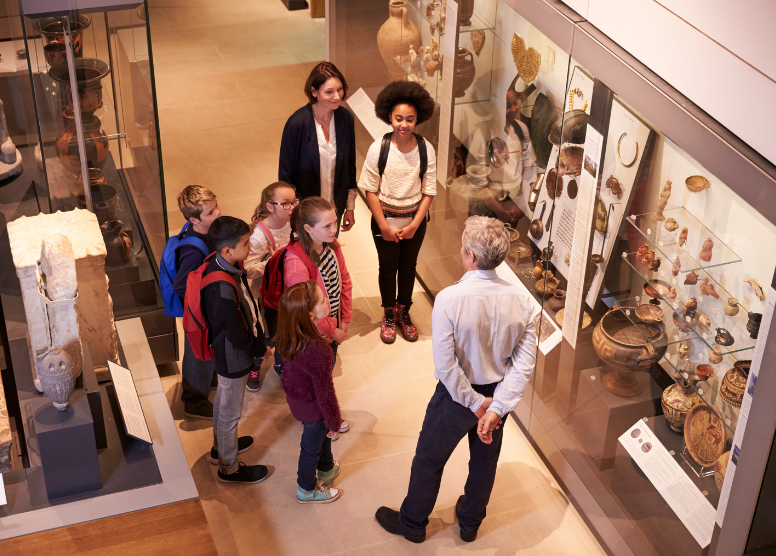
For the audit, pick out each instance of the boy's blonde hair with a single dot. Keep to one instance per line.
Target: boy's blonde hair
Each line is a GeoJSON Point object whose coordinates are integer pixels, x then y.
{"type": "Point", "coordinates": [191, 200]}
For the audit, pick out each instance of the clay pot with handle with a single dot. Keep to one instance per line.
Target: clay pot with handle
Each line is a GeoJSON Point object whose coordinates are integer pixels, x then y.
{"type": "Point", "coordinates": [464, 72]}
{"type": "Point", "coordinates": [395, 37]}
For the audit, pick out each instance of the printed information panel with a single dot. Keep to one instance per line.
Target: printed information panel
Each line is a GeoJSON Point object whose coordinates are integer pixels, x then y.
{"type": "Point", "coordinates": [685, 499]}
{"type": "Point", "coordinates": [134, 419]}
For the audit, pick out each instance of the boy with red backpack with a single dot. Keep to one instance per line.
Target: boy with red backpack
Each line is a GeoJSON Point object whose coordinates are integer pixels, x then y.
{"type": "Point", "coordinates": [235, 337]}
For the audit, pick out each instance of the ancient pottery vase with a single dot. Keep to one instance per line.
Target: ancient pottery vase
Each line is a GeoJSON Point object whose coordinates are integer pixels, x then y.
{"type": "Point", "coordinates": [55, 53]}
{"type": "Point", "coordinates": [546, 286]}
{"type": "Point", "coordinates": [734, 383]}
{"type": "Point", "coordinates": [464, 72]}
{"type": "Point", "coordinates": [89, 73]}
{"type": "Point", "coordinates": [118, 242]}
{"type": "Point", "coordinates": [57, 376]}
{"type": "Point", "coordinates": [724, 338]}
{"type": "Point", "coordinates": [627, 348]}
{"type": "Point", "coordinates": [677, 401]}
{"type": "Point", "coordinates": [731, 307]}
{"type": "Point", "coordinates": [53, 31]}
{"type": "Point", "coordinates": [558, 300]}
{"type": "Point", "coordinates": [105, 198]}
{"type": "Point", "coordinates": [753, 324]}
{"type": "Point", "coordinates": [95, 139]}
{"type": "Point", "coordinates": [395, 37]}
{"type": "Point", "coordinates": [465, 12]}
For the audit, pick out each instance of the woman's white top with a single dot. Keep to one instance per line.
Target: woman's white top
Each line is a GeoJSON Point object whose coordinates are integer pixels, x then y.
{"type": "Point", "coordinates": [327, 151]}
{"type": "Point", "coordinates": [400, 189]}
{"type": "Point", "coordinates": [259, 254]}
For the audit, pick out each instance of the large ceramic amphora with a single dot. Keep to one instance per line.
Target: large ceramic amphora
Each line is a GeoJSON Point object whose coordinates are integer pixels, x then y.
{"type": "Point", "coordinates": [677, 401]}
{"type": "Point", "coordinates": [96, 143]}
{"type": "Point", "coordinates": [395, 37]}
{"type": "Point", "coordinates": [628, 346]}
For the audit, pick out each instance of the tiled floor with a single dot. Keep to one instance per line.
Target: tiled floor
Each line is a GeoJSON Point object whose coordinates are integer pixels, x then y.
{"type": "Point", "coordinates": [228, 77]}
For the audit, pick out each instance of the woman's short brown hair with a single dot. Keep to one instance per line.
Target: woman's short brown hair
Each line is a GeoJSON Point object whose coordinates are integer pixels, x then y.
{"type": "Point", "coordinates": [295, 327]}
{"type": "Point", "coordinates": [320, 74]}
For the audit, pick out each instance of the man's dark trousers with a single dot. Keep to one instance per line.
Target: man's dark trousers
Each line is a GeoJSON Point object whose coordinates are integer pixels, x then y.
{"type": "Point", "coordinates": [445, 424]}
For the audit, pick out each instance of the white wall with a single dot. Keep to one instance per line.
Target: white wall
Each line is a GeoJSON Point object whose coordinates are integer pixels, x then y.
{"type": "Point", "coordinates": [720, 54]}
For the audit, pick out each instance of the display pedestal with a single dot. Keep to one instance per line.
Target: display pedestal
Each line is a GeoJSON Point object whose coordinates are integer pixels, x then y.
{"type": "Point", "coordinates": [601, 417]}
{"type": "Point", "coordinates": [646, 507]}
{"type": "Point", "coordinates": [68, 451]}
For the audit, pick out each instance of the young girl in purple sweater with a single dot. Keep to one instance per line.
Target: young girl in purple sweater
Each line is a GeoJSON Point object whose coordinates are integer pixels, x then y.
{"type": "Point", "coordinates": [309, 386]}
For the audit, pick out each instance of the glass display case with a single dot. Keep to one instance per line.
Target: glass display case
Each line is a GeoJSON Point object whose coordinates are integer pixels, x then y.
{"type": "Point", "coordinates": [92, 120]}
{"type": "Point", "coordinates": [634, 227]}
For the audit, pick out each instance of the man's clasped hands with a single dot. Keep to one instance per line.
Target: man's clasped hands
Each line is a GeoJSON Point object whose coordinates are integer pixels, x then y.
{"type": "Point", "coordinates": [489, 421]}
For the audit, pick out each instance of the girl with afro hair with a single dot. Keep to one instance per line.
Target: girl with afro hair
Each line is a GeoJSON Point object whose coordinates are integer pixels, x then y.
{"type": "Point", "coordinates": [399, 202]}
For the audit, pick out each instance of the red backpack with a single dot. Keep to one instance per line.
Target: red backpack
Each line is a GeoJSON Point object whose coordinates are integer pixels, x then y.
{"type": "Point", "coordinates": [194, 322]}
{"type": "Point", "coordinates": [273, 285]}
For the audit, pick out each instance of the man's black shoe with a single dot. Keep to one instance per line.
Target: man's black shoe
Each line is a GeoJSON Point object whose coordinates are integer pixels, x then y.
{"type": "Point", "coordinates": [389, 520]}
{"type": "Point", "coordinates": [466, 537]}
{"type": "Point", "coordinates": [199, 410]}
{"type": "Point", "coordinates": [244, 444]}
{"type": "Point", "coordinates": [245, 474]}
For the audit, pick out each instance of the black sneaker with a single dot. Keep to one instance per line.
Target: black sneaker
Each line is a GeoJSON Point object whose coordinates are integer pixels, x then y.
{"type": "Point", "coordinates": [199, 410]}
{"type": "Point", "coordinates": [245, 474]}
{"type": "Point", "coordinates": [254, 380]}
{"type": "Point", "coordinates": [389, 520]}
{"type": "Point", "coordinates": [465, 537]}
{"type": "Point", "coordinates": [244, 443]}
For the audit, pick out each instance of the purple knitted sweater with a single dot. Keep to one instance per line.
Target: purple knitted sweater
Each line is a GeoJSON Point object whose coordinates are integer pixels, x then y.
{"type": "Point", "coordinates": [309, 386]}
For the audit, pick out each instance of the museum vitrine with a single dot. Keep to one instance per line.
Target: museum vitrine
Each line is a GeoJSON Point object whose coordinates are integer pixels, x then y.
{"type": "Point", "coordinates": [93, 121]}
{"type": "Point", "coordinates": [635, 230]}
{"type": "Point", "coordinates": [83, 221]}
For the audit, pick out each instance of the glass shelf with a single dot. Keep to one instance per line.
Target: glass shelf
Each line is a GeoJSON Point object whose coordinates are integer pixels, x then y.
{"type": "Point", "coordinates": [674, 334]}
{"type": "Point", "coordinates": [667, 243]}
{"type": "Point", "coordinates": [708, 390]}
{"type": "Point", "coordinates": [707, 305]}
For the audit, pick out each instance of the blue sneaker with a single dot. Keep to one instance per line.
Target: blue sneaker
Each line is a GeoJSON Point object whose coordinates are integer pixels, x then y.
{"type": "Point", "coordinates": [325, 478]}
{"type": "Point", "coordinates": [321, 495]}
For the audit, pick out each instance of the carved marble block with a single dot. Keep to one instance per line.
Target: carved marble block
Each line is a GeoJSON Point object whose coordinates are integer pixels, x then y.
{"type": "Point", "coordinates": [58, 287]}
{"type": "Point", "coordinates": [5, 435]}
{"type": "Point", "coordinates": [94, 308]}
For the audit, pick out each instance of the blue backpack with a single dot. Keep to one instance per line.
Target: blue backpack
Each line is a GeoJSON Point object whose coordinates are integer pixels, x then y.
{"type": "Point", "coordinates": [167, 269]}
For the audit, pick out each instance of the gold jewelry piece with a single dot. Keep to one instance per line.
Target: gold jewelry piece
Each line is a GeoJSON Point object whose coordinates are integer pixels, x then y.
{"type": "Point", "coordinates": [635, 157]}
{"type": "Point", "coordinates": [577, 91]}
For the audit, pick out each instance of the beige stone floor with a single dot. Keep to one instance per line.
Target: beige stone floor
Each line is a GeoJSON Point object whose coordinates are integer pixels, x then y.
{"type": "Point", "coordinates": [228, 75]}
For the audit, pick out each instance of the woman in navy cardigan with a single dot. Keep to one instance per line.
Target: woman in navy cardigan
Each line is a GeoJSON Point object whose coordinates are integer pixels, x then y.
{"type": "Point", "coordinates": [318, 149]}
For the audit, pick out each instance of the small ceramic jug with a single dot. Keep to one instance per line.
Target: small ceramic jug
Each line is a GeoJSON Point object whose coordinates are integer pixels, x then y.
{"type": "Point", "coordinates": [731, 307]}
{"type": "Point", "coordinates": [753, 324]}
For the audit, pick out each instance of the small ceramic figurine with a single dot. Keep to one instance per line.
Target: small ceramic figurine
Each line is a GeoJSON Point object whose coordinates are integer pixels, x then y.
{"type": "Point", "coordinates": [715, 355]}
{"type": "Point", "coordinates": [692, 304]}
{"type": "Point", "coordinates": [704, 320]}
{"type": "Point", "coordinates": [682, 236]}
{"type": "Point", "coordinates": [684, 349]}
{"type": "Point", "coordinates": [708, 289]}
{"type": "Point", "coordinates": [672, 293]}
{"type": "Point", "coordinates": [648, 258]}
{"type": "Point", "coordinates": [671, 225]}
{"type": "Point", "coordinates": [706, 250]}
{"type": "Point", "coordinates": [642, 251]}
{"type": "Point", "coordinates": [655, 264]}
{"type": "Point", "coordinates": [731, 307]}
{"type": "Point", "coordinates": [691, 279]}
{"type": "Point", "coordinates": [677, 266]}
{"type": "Point", "coordinates": [758, 290]}
{"type": "Point", "coordinates": [661, 205]}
